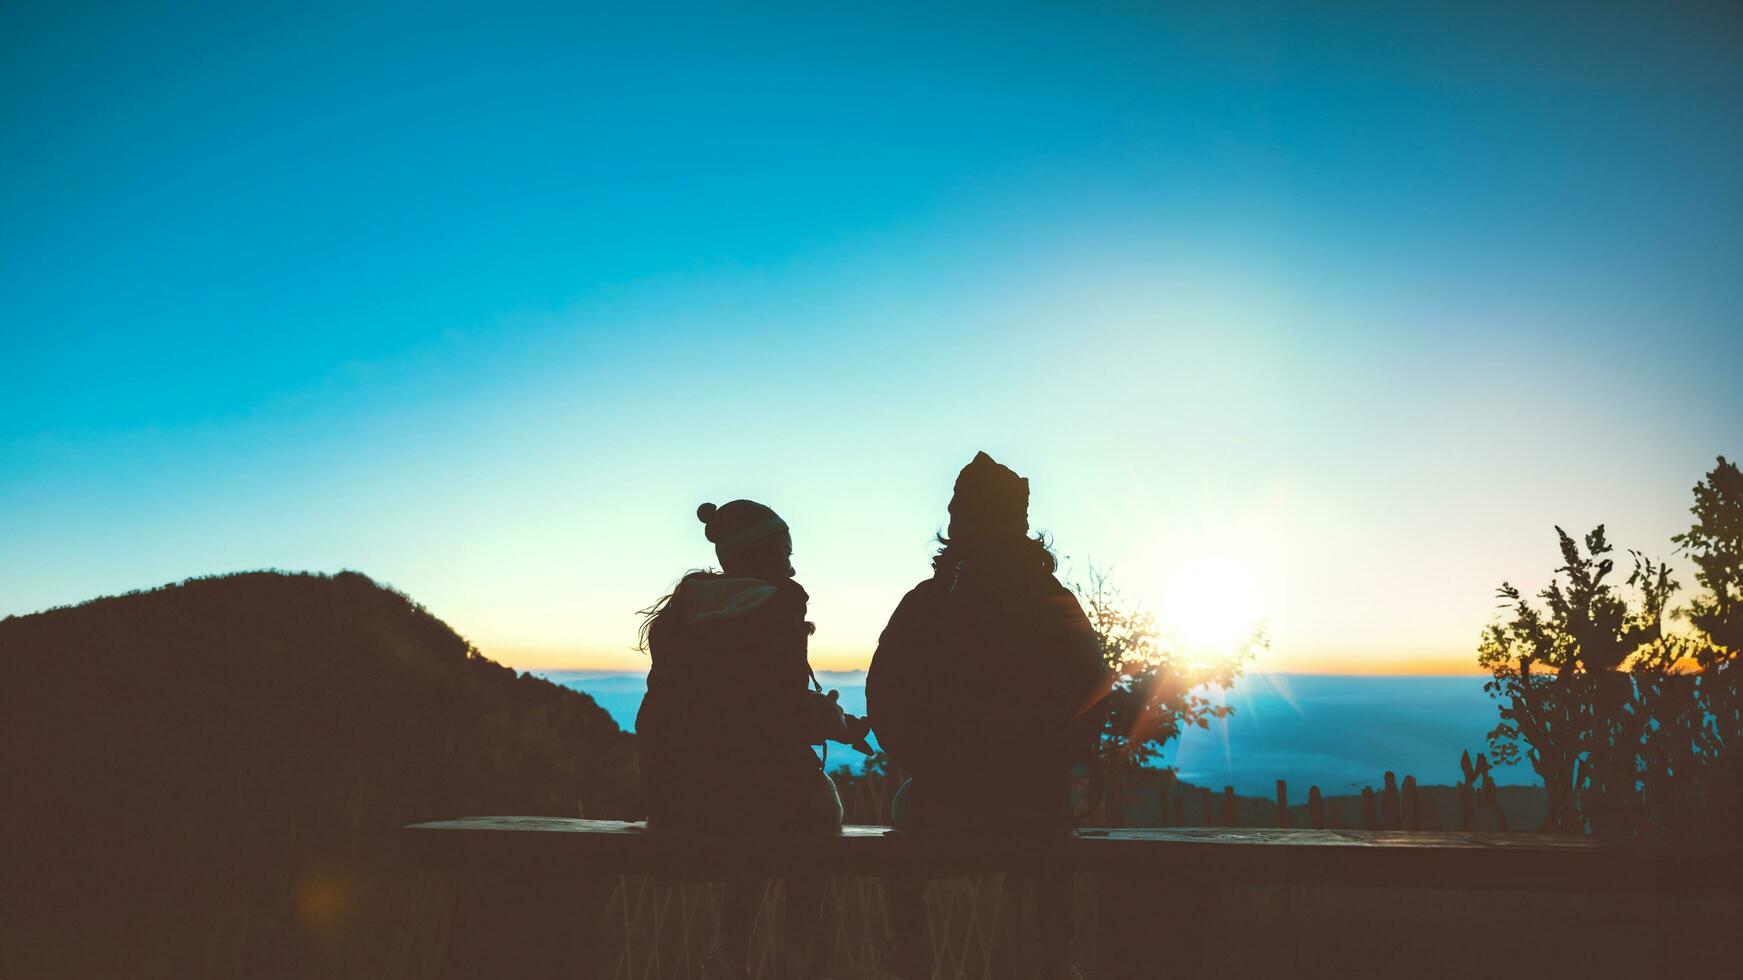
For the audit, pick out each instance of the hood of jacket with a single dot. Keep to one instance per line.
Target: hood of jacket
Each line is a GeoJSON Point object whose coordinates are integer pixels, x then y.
{"type": "Point", "coordinates": [703, 600]}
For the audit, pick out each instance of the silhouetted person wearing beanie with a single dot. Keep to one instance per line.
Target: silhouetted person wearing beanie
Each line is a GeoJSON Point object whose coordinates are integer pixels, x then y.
{"type": "Point", "coordinates": [730, 672]}
{"type": "Point", "coordinates": [987, 687]}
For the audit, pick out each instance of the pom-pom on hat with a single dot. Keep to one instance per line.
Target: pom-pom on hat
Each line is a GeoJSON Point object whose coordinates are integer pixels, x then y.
{"type": "Point", "coordinates": [738, 524]}
{"type": "Point", "coordinates": [991, 501]}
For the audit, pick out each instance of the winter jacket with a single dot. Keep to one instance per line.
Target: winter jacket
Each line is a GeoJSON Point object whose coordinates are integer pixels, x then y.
{"type": "Point", "coordinates": [724, 730]}
{"type": "Point", "coordinates": [987, 686]}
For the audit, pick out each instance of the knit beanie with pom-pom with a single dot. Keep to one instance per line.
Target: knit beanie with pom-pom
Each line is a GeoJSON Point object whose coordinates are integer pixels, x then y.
{"type": "Point", "coordinates": [738, 524]}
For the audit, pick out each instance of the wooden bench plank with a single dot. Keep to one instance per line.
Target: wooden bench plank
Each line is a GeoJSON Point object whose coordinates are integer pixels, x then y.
{"type": "Point", "coordinates": [1399, 859]}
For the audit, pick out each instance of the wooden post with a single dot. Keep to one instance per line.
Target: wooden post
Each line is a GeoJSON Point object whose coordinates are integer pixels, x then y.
{"type": "Point", "coordinates": [1283, 804]}
{"type": "Point", "coordinates": [1412, 805]}
{"type": "Point", "coordinates": [1165, 798]}
{"type": "Point", "coordinates": [1467, 806]}
{"type": "Point", "coordinates": [1228, 815]}
{"type": "Point", "coordinates": [1493, 801]}
{"type": "Point", "coordinates": [1315, 808]}
{"type": "Point", "coordinates": [1391, 808]}
{"type": "Point", "coordinates": [1370, 820]}
{"type": "Point", "coordinates": [1205, 804]}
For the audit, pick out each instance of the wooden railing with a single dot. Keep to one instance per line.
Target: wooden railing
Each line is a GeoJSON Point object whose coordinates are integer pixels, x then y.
{"type": "Point", "coordinates": [533, 892]}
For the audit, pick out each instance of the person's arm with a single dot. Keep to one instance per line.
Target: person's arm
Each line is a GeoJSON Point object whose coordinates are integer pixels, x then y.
{"type": "Point", "coordinates": [778, 666]}
{"type": "Point", "coordinates": [1086, 679]}
{"type": "Point", "coordinates": [895, 688]}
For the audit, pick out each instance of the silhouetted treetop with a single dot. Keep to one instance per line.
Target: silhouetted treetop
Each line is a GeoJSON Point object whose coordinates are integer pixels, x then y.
{"type": "Point", "coordinates": [1715, 544]}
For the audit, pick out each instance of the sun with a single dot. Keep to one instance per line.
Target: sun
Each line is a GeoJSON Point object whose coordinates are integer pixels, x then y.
{"type": "Point", "coordinates": [1211, 606]}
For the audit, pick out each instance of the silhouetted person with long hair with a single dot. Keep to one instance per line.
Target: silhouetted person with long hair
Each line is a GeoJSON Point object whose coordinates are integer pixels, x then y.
{"type": "Point", "coordinates": [987, 687]}
{"type": "Point", "coordinates": [726, 729]}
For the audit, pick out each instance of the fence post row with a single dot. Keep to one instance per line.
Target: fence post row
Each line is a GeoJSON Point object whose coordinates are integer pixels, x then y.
{"type": "Point", "coordinates": [1396, 806]}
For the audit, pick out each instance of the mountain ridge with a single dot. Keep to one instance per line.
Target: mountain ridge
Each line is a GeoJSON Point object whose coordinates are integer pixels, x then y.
{"type": "Point", "coordinates": [215, 771]}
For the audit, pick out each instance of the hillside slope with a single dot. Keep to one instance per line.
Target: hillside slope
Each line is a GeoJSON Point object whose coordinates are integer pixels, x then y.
{"type": "Point", "coordinates": [206, 779]}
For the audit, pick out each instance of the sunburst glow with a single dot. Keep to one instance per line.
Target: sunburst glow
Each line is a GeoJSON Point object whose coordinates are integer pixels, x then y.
{"type": "Point", "coordinates": [1211, 607]}
{"type": "Point", "coordinates": [1212, 584]}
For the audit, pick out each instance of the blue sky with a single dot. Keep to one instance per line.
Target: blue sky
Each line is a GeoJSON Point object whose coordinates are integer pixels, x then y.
{"type": "Point", "coordinates": [1321, 316]}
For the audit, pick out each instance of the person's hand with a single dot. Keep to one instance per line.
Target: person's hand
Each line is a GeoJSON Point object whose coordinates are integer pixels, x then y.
{"type": "Point", "coordinates": [828, 721]}
{"type": "Point", "coordinates": [859, 728]}
{"type": "Point", "coordinates": [835, 725]}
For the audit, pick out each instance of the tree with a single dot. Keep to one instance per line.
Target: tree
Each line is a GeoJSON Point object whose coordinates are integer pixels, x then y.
{"type": "Point", "coordinates": [1632, 728]}
{"type": "Point", "coordinates": [1715, 544]}
{"type": "Point", "coordinates": [1158, 691]}
{"type": "Point", "coordinates": [1712, 723]}
{"type": "Point", "coordinates": [1561, 674]}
